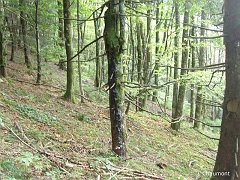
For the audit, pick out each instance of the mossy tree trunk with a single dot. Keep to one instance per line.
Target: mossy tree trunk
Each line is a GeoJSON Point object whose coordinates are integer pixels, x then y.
{"type": "Point", "coordinates": [2, 58]}
{"type": "Point", "coordinates": [228, 156]}
{"type": "Point", "coordinates": [69, 94]}
{"type": "Point", "coordinates": [114, 45]}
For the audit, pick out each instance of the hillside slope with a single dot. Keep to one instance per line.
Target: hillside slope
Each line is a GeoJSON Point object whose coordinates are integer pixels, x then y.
{"type": "Point", "coordinates": [46, 137]}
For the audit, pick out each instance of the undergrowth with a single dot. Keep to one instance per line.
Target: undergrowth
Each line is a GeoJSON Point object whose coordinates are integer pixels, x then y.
{"type": "Point", "coordinates": [74, 141]}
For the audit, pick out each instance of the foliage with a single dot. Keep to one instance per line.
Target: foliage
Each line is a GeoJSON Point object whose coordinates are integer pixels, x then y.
{"type": "Point", "coordinates": [35, 115]}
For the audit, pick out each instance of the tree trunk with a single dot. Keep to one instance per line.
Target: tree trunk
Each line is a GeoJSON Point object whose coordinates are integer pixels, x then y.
{"type": "Point", "coordinates": [24, 34]}
{"type": "Point", "coordinates": [79, 63]}
{"type": "Point", "coordinates": [193, 99]}
{"type": "Point", "coordinates": [157, 40]}
{"type": "Point", "coordinates": [61, 64]}
{"type": "Point", "coordinates": [39, 73]}
{"type": "Point", "coordinates": [114, 45]}
{"type": "Point", "coordinates": [69, 95]}
{"type": "Point", "coordinates": [147, 57]}
{"type": "Point", "coordinates": [176, 58]}
{"type": "Point", "coordinates": [98, 64]}
{"type": "Point", "coordinates": [182, 87]}
{"type": "Point", "coordinates": [2, 58]}
{"type": "Point", "coordinates": [228, 157]}
{"type": "Point", "coordinates": [201, 58]}
{"type": "Point", "coordinates": [11, 27]}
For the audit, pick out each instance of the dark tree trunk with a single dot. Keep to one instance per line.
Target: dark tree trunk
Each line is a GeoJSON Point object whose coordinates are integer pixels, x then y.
{"type": "Point", "coordinates": [24, 34]}
{"type": "Point", "coordinates": [2, 58]}
{"type": "Point", "coordinates": [114, 44]}
{"type": "Point", "coordinates": [98, 64]}
{"type": "Point", "coordinates": [176, 58]}
{"type": "Point", "coordinates": [39, 73]}
{"type": "Point", "coordinates": [193, 99]}
{"type": "Point", "coordinates": [228, 157]}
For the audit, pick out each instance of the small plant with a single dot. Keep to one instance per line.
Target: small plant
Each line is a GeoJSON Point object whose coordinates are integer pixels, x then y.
{"type": "Point", "coordinates": [10, 170]}
{"type": "Point", "coordinates": [33, 114]}
{"type": "Point", "coordinates": [83, 117]}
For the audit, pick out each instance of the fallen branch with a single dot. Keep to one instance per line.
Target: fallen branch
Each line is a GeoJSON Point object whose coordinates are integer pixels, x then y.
{"type": "Point", "coordinates": [19, 128]}
{"type": "Point", "coordinates": [132, 172]}
{"type": "Point", "coordinates": [52, 157]}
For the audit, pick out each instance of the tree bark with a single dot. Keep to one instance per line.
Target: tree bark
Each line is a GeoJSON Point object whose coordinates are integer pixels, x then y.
{"type": "Point", "coordinates": [176, 58]}
{"type": "Point", "coordinates": [61, 64]}
{"type": "Point", "coordinates": [185, 53]}
{"type": "Point", "coordinates": [157, 61]}
{"type": "Point", "coordinates": [147, 57]}
{"type": "Point", "coordinates": [228, 157]}
{"type": "Point", "coordinates": [198, 110]}
{"type": "Point", "coordinates": [98, 64]}
{"type": "Point", "coordinates": [193, 58]}
{"type": "Point", "coordinates": [139, 61]}
{"type": "Point", "coordinates": [69, 94]}
{"type": "Point", "coordinates": [39, 73]}
{"type": "Point", "coordinates": [24, 34]}
{"type": "Point", "coordinates": [79, 63]}
{"type": "Point", "coordinates": [114, 44]}
{"type": "Point", "coordinates": [2, 58]}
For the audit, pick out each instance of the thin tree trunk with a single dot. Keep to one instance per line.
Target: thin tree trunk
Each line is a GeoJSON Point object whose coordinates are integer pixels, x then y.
{"type": "Point", "coordinates": [69, 94]}
{"type": "Point", "coordinates": [157, 40]}
{"type": "Point", "coordinates": [193, 49]}
{"type": "Point", "coordinates": [39, 73]}
{"type": "Point", "coordinates": [79, 63]}
{"type": "Point", "coordinates": [114, 45]}
{"type": "Point", "coordinates": [3, 72]}
{"type": "Point", "coordinates": [98, 64]}
{"type": "Point", "coordinates": [24, 34]}
{"type": "Point", "coordinates": [11, 29]}
{"type": "Point", "coordinates": [201, 58]}
{"type": "Point", "coordinates": [176, 58]}
{"type": "Point", "coordinates": [61, 64]}
{"type": "Point", "coordinates": [139, 61]}
{"type": "Point", "coordinates": [147, 60]}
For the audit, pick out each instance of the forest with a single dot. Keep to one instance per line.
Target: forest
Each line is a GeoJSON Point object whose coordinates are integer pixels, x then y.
{"type": "Point", "coordinates": [119, 89]}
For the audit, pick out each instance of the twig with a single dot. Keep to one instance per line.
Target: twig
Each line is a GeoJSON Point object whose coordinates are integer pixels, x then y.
{"type": "Point", "coordinates": [206, 135]}
{"type": "Point", "coordinates": [20, 138]}
{"type": "Point", "coordinates": [19, 128]}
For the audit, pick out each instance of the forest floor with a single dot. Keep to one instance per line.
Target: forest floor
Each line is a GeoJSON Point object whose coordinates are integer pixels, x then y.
{"type": "Point", "coordinates": [45, 137]}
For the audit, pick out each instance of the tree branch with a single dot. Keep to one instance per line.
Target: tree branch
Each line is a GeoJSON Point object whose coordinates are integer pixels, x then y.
{"type": "Point", "coordinates": [206, 37]}
{"type": "Point", "coordinates": [84, 48]}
